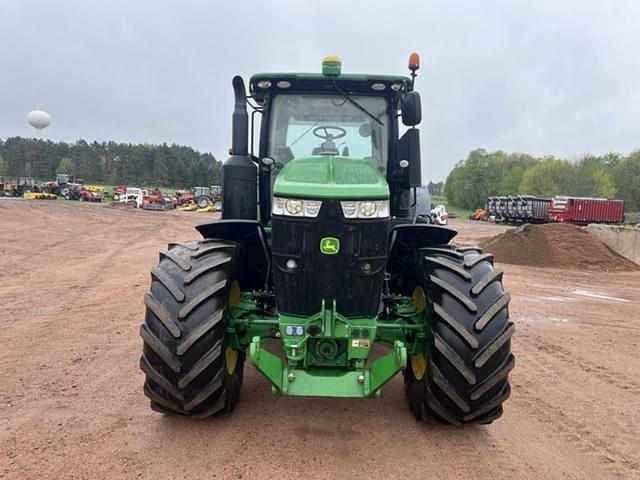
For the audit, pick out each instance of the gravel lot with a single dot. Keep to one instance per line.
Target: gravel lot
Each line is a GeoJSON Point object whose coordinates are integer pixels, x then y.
{"type": "Point", "coordinates": [71, 403]}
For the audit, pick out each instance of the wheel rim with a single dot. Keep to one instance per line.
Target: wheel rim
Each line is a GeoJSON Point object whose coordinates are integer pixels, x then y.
{"type": "Point", "coordinates": [419, 361]}
{"type": "Point", "coordinates": [231, 355]}
{"type": "Point", "coordinates": [234, 294]}
{"type": "Point", "coordinates": [419, 299]}
{"type": "Point", "coordinates": [418, 365]}
{"type": "Point", "coordinates": [231, 359]}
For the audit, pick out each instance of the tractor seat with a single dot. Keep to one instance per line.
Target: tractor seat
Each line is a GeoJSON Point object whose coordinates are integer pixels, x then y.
{"type": "Point", "coordinates": [327, 148]}
{"type": "Point", "coordinates": [284, 154]}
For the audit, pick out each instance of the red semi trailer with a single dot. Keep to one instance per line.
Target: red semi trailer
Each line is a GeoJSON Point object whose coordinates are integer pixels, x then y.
{"type": "Point", "coordinates": [581, 211]}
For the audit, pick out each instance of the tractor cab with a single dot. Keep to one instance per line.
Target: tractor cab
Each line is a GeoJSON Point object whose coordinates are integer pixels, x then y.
{"type": "Point", "coordinates": [201, 192]}
{"type": "Point", "coordinates": [329, 119]}
{"type": "Point", "coordinates": [62, 178]}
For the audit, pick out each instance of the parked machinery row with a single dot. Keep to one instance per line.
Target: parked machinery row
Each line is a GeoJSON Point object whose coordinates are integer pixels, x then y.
{"type": "Point", "coordinates": [531, 209]}
{"type": "Point", "coordinates": [518, 209]}
{"type": "Point", "coordinates": [16, 186]}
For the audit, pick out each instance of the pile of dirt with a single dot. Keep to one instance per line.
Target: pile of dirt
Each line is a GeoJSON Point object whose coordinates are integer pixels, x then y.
{"type": "Point", "coordinates": [555, 245]}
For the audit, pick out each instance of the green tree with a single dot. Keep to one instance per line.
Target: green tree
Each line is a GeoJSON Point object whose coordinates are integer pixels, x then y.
{"type": "Point", "coordinates": [547, 178]}
{"type": "Point", "coordinates": [603, 183]}
{"type": "Point", "coordinates": [627, 179]}
{"type": "Point", "coordinates": [27, 169]}
{"type": "Point", "coordinates": [511, 180]}
{"type": "Point", "coordinates": [4, 169]}
{"type": "Point", "coordinates": [66, 166]}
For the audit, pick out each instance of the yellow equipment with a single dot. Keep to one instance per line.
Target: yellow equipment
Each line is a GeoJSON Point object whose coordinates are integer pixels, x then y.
{"type": "Point", "coordinates": [188, 207]}
{"type": "Point", "coordinates": [39, 196]}
{"type": "Point", "coordinates": [207, 209]}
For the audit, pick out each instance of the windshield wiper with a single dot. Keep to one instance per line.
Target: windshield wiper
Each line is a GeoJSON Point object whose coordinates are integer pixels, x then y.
{"type": "Point", "coordinates": [353, 102]}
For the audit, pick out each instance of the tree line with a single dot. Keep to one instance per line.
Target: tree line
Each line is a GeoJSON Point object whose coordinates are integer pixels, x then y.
{"type": "Point", "coordinates": [110, 162]}
{"type": "Point", "coordinates": [484, 174]}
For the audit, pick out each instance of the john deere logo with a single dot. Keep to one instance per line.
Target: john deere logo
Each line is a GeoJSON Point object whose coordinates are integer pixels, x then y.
{"type": "Point", "coordinates": [330, 245]}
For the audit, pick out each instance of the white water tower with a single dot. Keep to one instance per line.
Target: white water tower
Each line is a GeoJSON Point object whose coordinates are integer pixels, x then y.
{"type": "Point", "coordinates": [39, 120]}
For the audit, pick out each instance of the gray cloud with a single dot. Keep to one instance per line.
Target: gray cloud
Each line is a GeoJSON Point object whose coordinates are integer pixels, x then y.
{"type": "Point", "coordinates": [544, 77]}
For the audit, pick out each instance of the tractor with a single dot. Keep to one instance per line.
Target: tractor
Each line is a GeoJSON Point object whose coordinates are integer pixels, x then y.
{"type": "Point", "coordinates": [318, 258]}
{"type": "Point", "coordinates": [84, 193]}
{"type": "Point", "coordinates": [17, 187]}
{"type": "Point", "coordinates": [202, 197]}
{"type": "Point", "coordinates": [61, 186]}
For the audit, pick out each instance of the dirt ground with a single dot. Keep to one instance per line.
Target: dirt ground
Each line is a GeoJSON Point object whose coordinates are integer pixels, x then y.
{"type": "Point", "coordinates": [72, 278]}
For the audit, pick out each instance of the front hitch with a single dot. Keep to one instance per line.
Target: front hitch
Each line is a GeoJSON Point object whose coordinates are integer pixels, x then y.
{"type": "Point", "coordinates": [328, 382]}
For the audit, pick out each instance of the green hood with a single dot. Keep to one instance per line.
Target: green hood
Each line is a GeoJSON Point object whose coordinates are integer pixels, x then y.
{"type": "Point", "coordinates": [331, 177]}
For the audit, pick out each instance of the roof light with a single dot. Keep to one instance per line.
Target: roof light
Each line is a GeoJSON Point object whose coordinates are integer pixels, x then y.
{"type": "Point", "coordinates": [264, 84]}
{"type": "Point", "coordinates": [378, 87]}
{"type": "Point", "coordinates": [396, 87]}
{"type": "Point", "coordinates": [283, 84]}
{"type": "Point", "coordinates": [414, 61]}
{"type": "Point", "coordinates": [331, 65]}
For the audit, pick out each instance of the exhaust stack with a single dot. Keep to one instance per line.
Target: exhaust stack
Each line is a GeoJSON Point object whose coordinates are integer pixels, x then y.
{"type": "Point", "coordinates": [239, 172]}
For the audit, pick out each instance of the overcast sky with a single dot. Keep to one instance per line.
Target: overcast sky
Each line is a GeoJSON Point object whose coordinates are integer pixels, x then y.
{"type": "Point", "coordinates": [546, 77]}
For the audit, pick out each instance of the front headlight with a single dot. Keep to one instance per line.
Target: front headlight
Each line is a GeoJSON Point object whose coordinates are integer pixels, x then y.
{"type": "Point", "coordinates": [365, 209]}
{"type": "Point", "coordinates": [294, 207]}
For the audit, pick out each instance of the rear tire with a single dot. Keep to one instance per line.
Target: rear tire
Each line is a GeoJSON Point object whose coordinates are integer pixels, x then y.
{"type": "Point", "coordinates": [202, 202]}
{"type": "Point", "coordinates": [466, 375]}
{"type": "Point", "coordinates": [188, 368]}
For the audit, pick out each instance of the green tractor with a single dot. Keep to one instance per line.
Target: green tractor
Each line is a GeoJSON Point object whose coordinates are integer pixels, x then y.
{"type": "Point", "coordinates": [318, 257]}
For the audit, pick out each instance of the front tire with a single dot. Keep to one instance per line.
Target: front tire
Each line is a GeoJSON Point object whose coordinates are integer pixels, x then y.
{"type": "Point", "coordinates": [464, 378]}
{"type": "Point", "coordinates": [189, 369]}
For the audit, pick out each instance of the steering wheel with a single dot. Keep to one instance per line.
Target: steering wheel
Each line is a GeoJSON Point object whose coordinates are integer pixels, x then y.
{"type": "Point", "coordinates": [327, 136]}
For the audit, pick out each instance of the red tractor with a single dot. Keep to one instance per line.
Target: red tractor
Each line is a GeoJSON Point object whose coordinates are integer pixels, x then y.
{"type": "Point", "coordinates": [201, 196]}
{"type": "Point", "coordinates": [183, 197]}
{"type": "Point", "coordinates": [118, 191]}
{"type": "Point", "coordinates": [60, 186]}
{"type": "Point", "coordinates": [156, 200]}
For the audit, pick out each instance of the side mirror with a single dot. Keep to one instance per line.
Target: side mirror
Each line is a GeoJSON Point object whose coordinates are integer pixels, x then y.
{"type": "Point", "coordinates": [409, 158]}
{"type": "Point", "coordinates": [411, 108]}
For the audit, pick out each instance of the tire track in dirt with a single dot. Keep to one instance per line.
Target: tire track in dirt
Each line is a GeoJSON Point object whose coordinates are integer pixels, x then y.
{"type": "Point", "coordinates": [54, 328]}
{"type": "Point", "coordinates": [560, 399]}
{"type": "Point", "coordinates": [564, 356]}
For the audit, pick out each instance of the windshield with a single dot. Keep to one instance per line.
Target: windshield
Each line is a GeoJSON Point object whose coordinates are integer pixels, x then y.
{"type": "Point", "coordinates": [304, 125]}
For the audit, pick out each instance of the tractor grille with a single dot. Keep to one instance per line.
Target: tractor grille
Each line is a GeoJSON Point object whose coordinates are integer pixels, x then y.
{"type": "Point", "coordinates": [353, 277]}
